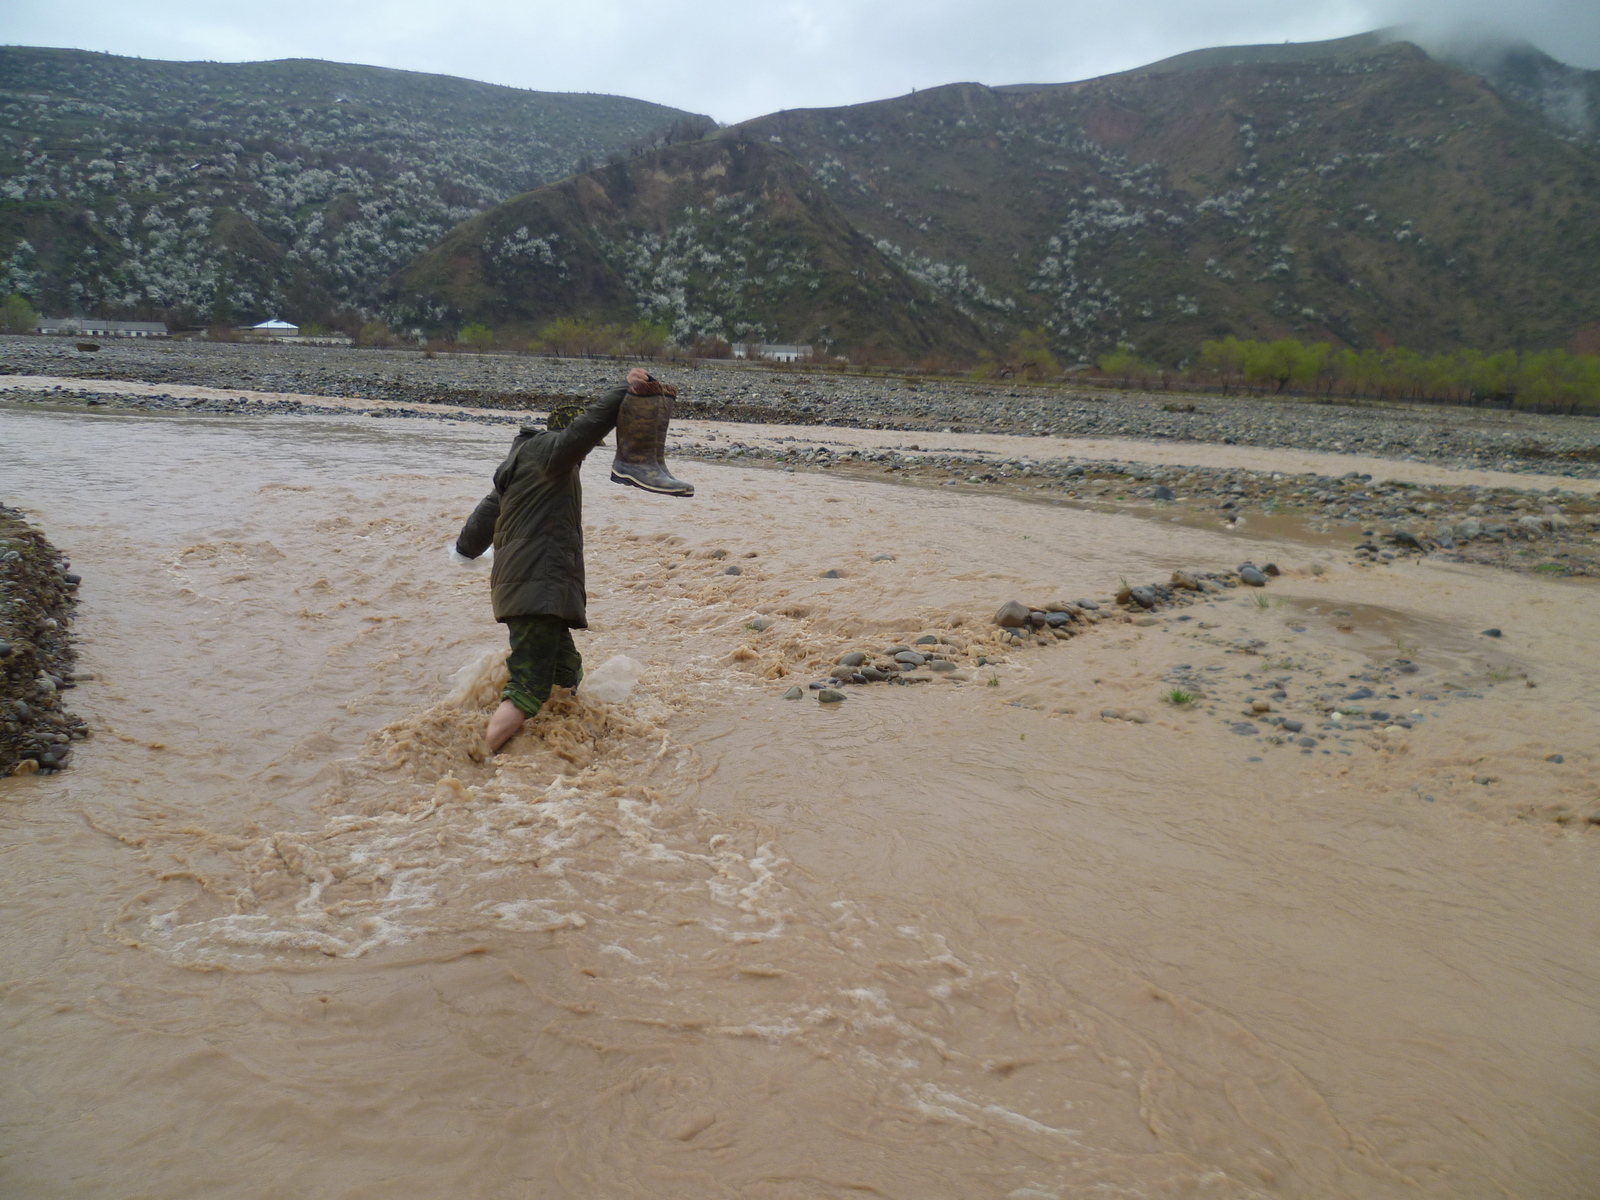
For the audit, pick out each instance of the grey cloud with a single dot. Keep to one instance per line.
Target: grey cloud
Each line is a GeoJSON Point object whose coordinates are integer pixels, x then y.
{"type": "Point", "coordinates": [735, 61]}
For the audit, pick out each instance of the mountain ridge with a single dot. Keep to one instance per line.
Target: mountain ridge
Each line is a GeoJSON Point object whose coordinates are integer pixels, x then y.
{"type": "Point", "coordinates": [234, 190]}
{"type": "Point", "coordinates": [1366, 197]}
{"type": "Point", "coordinates": [1360, 190]}
{"type": "Point", "coordinates": [722, 238]}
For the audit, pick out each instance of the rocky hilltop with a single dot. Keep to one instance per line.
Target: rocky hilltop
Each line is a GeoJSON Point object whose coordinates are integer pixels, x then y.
{"type": "Point", "coordinates": [239, 191]}
{"type": "Point", "coordinates": [1358, 191]}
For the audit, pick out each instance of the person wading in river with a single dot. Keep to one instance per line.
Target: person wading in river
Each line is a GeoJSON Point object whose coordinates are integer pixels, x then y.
{"type": "Point", "coordinates": [534, 520]}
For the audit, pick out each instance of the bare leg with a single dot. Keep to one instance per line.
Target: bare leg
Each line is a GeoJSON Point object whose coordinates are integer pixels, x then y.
{"type": "Point", "coordinates": [503, 726]}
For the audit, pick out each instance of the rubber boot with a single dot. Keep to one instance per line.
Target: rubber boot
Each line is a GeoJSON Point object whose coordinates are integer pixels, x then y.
{"type": "Point", "coordinates": [641, 460]}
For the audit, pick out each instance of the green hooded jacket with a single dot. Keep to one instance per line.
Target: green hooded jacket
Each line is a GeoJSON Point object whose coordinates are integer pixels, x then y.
{"type": "Point", "coordinates": [534, 519]}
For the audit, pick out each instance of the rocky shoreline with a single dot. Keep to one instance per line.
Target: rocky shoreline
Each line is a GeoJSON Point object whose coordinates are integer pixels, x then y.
{"type": "Point", "coordinates": [1552, 531]}
{"type": "Point", "coordinates": [714, 390]}
{"type": "Point", "coordinates": [1282, 693]}
{"type": "Point", "coordinates": [37, 597]}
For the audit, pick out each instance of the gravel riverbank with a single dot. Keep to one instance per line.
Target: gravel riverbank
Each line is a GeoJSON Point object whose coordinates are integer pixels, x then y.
{"type": "Point", "coordinates": [1463, 437]}
{"type": "Point", "coordinates": [1550, 530]}
{"type": "Point", "coordinates": [1554, 531]}
{"type": "Point", "coordinates": [37, 596]}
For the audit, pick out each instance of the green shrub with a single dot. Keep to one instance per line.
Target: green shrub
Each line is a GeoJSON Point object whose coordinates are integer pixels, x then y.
{"type": "Point", "coordinates": [644, 340]}
{"type": "Point", "coordinates": [1548, 380]}
{"type": "Point", "coordinates": [1031, 351]}
{"type": "Point", "coordinates": [1123, 363]}
{"type": "Point", "coordinates": [476, 336]}
{"type": "Point", "coordinates": [573, 337]}
{"type": "Point", "coordinates": [17, 315]}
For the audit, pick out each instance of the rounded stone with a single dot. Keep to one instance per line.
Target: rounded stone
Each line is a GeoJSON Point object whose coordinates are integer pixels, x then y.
{"type": "Point", "coordinates": [1011, 615]}
{"type": "Point", "coordinates": [829, 696]}
{"type": "Point", "coordinates": [854, 659]}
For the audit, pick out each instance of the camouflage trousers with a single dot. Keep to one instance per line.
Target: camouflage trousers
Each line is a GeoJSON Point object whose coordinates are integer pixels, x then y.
{"type": "Point", "coordinates": [542, 656]}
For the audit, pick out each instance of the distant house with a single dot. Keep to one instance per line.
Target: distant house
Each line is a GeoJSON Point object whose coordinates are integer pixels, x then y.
{"type": "Point", "coordinates": [99, 327]}
{"type": "Point", "coordinates": [771, 351]}
{"type": "Point", "coordinates": [273, 329]}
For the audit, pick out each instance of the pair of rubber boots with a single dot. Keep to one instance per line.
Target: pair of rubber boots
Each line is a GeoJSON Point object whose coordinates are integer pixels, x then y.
{"type": "Point", "coordinates": [641, 460]}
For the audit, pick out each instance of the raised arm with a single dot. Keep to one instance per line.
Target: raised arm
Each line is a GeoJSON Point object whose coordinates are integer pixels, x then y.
{"type": "Point", "coordinates": [568, 446]}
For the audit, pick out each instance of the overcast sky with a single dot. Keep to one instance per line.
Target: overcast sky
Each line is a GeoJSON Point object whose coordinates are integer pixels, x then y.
{"type": "Point", "coordinates": [739, 60]}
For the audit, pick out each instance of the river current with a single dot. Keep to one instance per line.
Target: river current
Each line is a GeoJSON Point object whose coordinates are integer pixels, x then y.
{"type": "Point", "coordinates": [285, 928]}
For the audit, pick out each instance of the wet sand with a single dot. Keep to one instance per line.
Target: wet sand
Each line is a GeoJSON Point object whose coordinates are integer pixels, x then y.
{"type": "Point", "coordinates": [283, 929]}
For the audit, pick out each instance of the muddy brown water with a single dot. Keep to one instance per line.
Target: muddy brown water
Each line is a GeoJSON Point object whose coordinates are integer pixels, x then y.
{"type": "Point", "coordinates": [284, 930]}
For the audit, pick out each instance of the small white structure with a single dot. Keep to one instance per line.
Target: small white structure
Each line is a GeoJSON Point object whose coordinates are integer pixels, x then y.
{"type": "Point", "coordinates": [771, 351]}
{"type": "Point", "coordinates": [99, 327]}
{"type": "Point", "coordinates": [273, 329]}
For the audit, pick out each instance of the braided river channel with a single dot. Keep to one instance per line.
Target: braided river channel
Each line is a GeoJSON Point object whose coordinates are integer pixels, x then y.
{"type": "Point", "coordinates": [284, 929]}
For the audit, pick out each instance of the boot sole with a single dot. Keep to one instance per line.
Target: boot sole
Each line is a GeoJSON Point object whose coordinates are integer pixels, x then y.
{"type": "Point", "coordinates": [644, 487]}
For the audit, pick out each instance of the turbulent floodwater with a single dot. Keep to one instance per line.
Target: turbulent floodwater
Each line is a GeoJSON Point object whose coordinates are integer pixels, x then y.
{"type": "Point", "coordinates": [285, 930]}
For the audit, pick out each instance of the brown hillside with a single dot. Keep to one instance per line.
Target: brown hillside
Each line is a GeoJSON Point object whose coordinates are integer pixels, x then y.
{"type": "Point", "coordinates": [727, 237]}
{"type": "Point", "coordinates": [1339, 197]}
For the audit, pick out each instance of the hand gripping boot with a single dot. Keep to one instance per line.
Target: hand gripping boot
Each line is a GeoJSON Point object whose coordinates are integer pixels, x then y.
{"type": "Point", "coordinates": [642, 446]}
